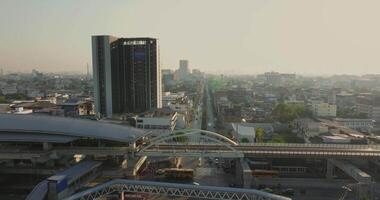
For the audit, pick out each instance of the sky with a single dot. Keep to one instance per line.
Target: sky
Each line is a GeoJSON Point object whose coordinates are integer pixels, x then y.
{"type": "Point", "coordinates": [216, 36]}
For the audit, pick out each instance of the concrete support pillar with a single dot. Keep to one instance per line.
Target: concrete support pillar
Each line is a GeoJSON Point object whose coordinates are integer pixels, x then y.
{"type": "Point", "coordinates": [243, 173]}
{"type": "Point", "coordinates": [122, 196]}
{"type": "Point", "coordinates": [33, 161]}
{"type": "Point", "coordinates": [46, 146]}
{"type": "Point", "coordinates": [238, 172]}
{"type": "Point", "coordinates": [329, 169]}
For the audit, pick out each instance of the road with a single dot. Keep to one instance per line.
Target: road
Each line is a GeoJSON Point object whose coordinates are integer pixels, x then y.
{"type": "Point", "coordinates": [210, 111]}
{"type": "Point", "coordinates": [269, 150]}
{"type": "Point", "coordinates": [197, 121]}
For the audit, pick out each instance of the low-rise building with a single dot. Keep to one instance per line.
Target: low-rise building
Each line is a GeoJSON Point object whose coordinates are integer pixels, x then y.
{"type": "Point", "coordinates": [345, 100]}
{"type": "Point", "coordinates": [77, 108]}
{"type": "Point", "coordinates": [365, 125]}
{"type": "Point", "coordinates": [323, 109]}
{"type": "Point", "coordinates": [162, 118]}
{"type": "Point", "coordinates": [9, 89]}
{"type": "Point", "coordinates": [306, 127]}
{"type": "Point", "coordinates": [243, 133]}
{"type": "Point", "coordinates": [369, 106]}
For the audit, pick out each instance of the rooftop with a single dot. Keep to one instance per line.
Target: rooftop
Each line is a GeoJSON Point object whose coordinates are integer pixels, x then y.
{"type": "Point", "coordinates": [34, 128]}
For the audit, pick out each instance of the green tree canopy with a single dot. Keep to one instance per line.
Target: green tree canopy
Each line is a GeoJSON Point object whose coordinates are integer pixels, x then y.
{"type": "Point", "coordinates": [260, 134]}
{"type": "Point", "coordinates": [286, 113]}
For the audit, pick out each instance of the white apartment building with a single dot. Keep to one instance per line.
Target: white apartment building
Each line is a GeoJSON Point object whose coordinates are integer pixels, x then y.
{"type": "Point", "coordinates": [244, 133]}
{"type": "Point", "coordinates": [164, 119]}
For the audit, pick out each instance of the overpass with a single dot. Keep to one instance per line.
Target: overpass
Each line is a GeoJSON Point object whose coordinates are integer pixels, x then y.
{"type": "Point", "coordinates": [58, 141]}
{"type": "Point", "coordinates": [201, 143]}
{"type": "Point", "coordinates": [121, 186]}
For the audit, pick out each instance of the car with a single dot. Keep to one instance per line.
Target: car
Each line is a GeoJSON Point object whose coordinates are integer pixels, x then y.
{"type": "Point", "coordinates": [195, 183]}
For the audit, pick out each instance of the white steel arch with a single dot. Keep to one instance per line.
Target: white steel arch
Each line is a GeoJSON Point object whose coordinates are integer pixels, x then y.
{"type": "Point", "coordinates": [192, 132]}
{"type": "Point", "coordinates": [227, 146]}
{"type": "Point", "coordinates": [209, 136]}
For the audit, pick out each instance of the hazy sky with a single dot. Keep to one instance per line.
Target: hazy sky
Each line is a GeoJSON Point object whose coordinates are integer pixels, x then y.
{"type": "Point", "coordinates": [222, 36]}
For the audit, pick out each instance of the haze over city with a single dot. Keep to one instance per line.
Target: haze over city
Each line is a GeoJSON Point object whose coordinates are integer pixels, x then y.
{"type": "Point", "coordinates": [189, 99]}
{"type": "Point", "coordinates": [293, 36]}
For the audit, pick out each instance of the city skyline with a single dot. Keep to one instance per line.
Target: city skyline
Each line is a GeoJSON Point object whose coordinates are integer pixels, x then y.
{"type": "Point", "coordinates": [319, 37]}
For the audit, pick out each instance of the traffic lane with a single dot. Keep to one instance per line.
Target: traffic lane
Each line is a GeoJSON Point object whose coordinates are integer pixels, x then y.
{"type": "Point", "coordinates": [268, 148]}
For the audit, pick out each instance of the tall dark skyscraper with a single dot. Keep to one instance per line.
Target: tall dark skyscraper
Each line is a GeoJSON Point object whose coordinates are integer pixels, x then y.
{"type": "Point", "coordinates": [127, 75]}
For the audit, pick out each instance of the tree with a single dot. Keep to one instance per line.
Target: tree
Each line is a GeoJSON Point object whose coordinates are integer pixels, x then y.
{"type": "Point", "coordinates": [2, 99]}
{"type": "Point", "coordinates": [260, 134]}
{"type": "Point", "coordinates": [286, 113]}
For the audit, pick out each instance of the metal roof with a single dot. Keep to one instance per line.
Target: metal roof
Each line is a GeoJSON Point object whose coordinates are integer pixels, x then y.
{"type": "Point", "coordinates": [73, 173]}
{"type": "Point", "coordinates": [77, 171]}
{"type": "Point", "coordinates": [31, 137]}
{"type": "Point", "coordinates": [51, 126]}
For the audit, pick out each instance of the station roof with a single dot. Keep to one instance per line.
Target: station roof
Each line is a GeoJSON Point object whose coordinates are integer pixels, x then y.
{"type": "Point", "coordinates": [38, 128]}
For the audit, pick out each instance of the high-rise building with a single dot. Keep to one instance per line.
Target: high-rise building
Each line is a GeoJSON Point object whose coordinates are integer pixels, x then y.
{"type": "Point", "coordinates": [183, 71]}
{"type": "Point", "coordinates": [127, 75]}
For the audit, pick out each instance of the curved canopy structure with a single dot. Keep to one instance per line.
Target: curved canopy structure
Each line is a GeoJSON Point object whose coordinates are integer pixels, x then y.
{"type": "Point", "coordinates": [174, 190]}
{"type": "Point", "coordinates": [33, 128]}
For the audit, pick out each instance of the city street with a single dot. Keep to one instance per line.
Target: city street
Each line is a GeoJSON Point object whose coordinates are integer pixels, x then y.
{"type": "Point", "coordinates": [210, 111]}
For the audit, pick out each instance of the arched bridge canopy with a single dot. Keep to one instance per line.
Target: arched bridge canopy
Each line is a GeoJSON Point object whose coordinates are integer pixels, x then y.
{"type": "Point", "coordinates": [191, 132]}
{"type": "Point", "coordinates": [191, 138]}
{"type": "Point", "coordinates": [33, 128]}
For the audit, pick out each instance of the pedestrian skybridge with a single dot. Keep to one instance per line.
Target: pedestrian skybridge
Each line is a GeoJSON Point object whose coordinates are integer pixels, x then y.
{"type": "Point", "coordinates": [201, 143]}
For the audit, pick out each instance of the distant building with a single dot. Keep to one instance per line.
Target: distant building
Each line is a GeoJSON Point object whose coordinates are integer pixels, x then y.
{"type": "Point", "coordinates": [158, 119]}
{"type": "Point", "coordinates": [323, 109]}
{"type": "Point", "coordinates": [276, 78]}
{"type": "Point", "coordinates": [76, 108]}
{"type": "Point", "coordinates": [196, 73]}
{"type": "Point", "coordinates": [306, 127]}
{"type": "Point", "coordinates": [365, 125]}
{"type": "Point", "coordinates": [295, 102]}
{"type": "Point", "coordinates": [170, 97]}
{"type": "Point", "coordinates": [168, 78]}
{"type": "Point", "coordinates": [31, 106]}
{"type": "Point", "coordinates": [127, 75]}
{"type": "Point", "coordinates": [9, 89]}
{"type": "Point", "coordinates": [244, 134]}
{"type": "Point", "coordinates": [183, 72]}
{"type": "Point", "coordinates": [369, 106]}
{"type": "Point", "coordinates": [345, 100]}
